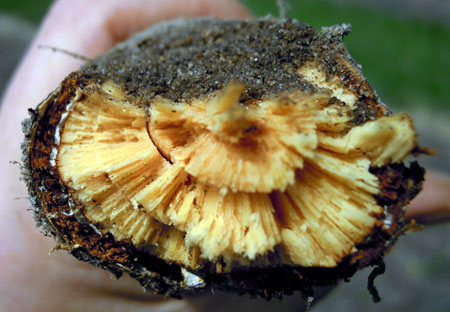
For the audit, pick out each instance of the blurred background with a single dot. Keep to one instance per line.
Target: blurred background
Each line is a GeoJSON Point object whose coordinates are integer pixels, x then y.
{"type": "Point", "coordinates": [404, 49]}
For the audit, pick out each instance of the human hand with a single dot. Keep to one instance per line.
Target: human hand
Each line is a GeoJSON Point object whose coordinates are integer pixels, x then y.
{"type": "Point", "coordinates": [60, 282]}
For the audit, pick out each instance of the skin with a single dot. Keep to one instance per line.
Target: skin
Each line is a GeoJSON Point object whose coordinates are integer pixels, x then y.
{"type": "Point", "coordinates": [30, 279]}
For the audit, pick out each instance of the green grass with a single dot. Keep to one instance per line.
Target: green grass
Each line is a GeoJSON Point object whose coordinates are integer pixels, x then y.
{"type": "Point", "coordinates": [32, 10]}
{"type": "Point", "coordinates": [406, 60]}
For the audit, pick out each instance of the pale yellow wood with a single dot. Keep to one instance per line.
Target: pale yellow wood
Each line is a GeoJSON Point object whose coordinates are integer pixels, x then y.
{"type": "Point", "coordinates": [213, 179]}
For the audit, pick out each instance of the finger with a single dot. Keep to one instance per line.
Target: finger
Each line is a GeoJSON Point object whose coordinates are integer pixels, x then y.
{"type": "Point", "coordinates": [432, 205]}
